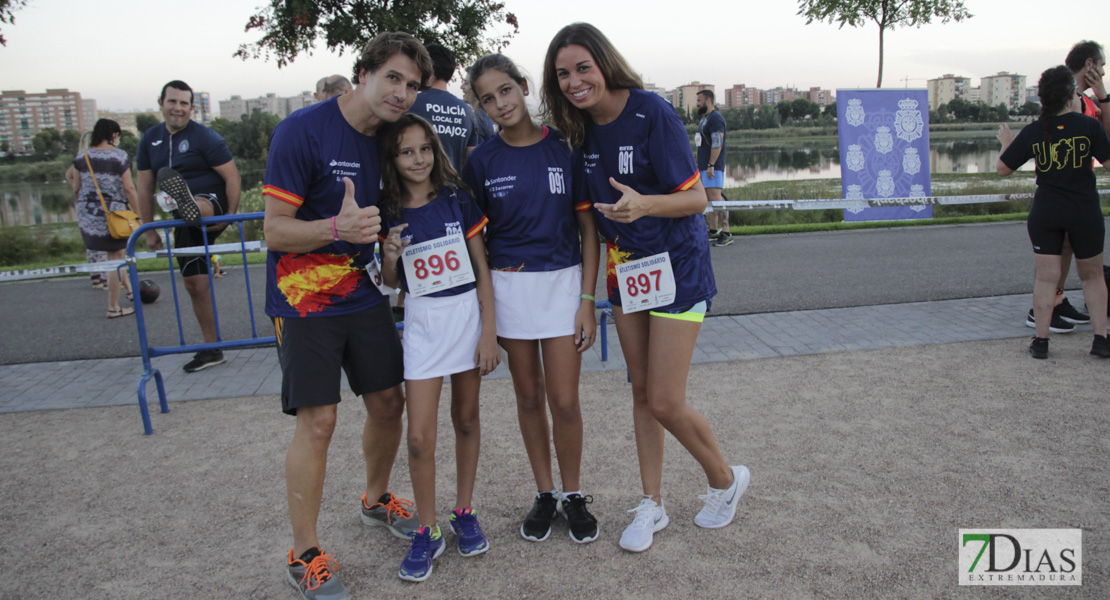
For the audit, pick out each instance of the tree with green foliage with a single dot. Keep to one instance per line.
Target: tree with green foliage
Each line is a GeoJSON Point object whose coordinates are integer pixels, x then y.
{"type": "Point", "coordinates": [887, 14]}
{"type": "Point", "coordinates": [7, 17]}
{"type": "Point", "coordinates": [71, 142]}
{"type": "Point", "coordinates": [1029, 109]}
{"type": "Point", "coordinates": [47, 144]}
{"type": "Point", "coordinates": [292, 27]}
{"type": "Point", "coordinates": [145, 121]}
{"type": "Point", "coordinates": [129, 143]}
{"type": "Point", "coordinates": [250, 136]}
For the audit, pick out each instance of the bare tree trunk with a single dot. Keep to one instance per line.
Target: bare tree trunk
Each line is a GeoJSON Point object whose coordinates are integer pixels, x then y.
{"type": "Point", "coordinates": [879, 83]}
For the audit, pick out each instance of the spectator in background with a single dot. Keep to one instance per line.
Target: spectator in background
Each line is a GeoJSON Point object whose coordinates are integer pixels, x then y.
{"type": "Point", "coordinates": [482, 122]}
{"type": "Point", "coordinates": [710, 142]}
{"type": "Point", "coordinates": [201, 158]}
{"type": "Point", "coordinates": [1087, 63]}
{"type": "Point", "coordinates": [331, 86]}
{"type": "Point", "coordinates": [113, 188]}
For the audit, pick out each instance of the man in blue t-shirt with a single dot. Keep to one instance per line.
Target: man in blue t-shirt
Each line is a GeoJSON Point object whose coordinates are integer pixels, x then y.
{"type": "Point", "coordinates": [452, 118]}
{"type": "Point", "coordinates": [710, 141]}
{"type": "Point", "coordinates": [322, 187]}
{"type": "Point", "coordinates": [202, 159]}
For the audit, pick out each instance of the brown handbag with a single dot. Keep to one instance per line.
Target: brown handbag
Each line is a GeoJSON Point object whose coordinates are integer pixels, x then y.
{"type": "Point", "coordinates": [120, 222]}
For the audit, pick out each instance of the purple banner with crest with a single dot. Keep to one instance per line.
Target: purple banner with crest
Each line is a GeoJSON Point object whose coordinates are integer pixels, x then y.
{"type": "Point", "coordinates": [884, 152]}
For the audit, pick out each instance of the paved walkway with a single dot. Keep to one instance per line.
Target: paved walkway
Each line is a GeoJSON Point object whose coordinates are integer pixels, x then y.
{"type": "Point", "coordinates": [255, 372]}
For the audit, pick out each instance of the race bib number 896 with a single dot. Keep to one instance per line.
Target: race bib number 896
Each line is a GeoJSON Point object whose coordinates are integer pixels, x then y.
{"type": "Point", "coordinates": [436, 265]}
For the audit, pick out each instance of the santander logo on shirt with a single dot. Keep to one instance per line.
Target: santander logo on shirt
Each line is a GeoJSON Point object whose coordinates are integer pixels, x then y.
{"type": "Point", "coordinates": [338, 166]}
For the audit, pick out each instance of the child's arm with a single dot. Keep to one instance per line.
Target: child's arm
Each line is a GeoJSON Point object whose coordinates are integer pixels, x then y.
{"type": "Point", "coordinates": [585, 324]}
{"type": "Point", "coordinates": [486, 356]}
{"type": "Point", "coordinates": [391, 251]}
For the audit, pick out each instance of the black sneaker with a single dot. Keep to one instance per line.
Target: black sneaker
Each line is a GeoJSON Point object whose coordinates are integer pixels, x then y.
{"type": "Point", "coordinates": [583, 525]}
{"type": "Point", "coordinates": [1101, 346]}
{"type": "Point", "coordinates": [1039, 348]}
{"type": "Point", "coordinates": [1057, 325]}
{"type": "Point", "coordinates": [537, 525]}
{"type": "Point", "coordinates": [1069, 313]}
{"type": "Point", "coordinates": [724, 239]}
{"type": "Point", "coordinates": [713, 234]}
{"type": "Point", "coordinates": [204, 359]}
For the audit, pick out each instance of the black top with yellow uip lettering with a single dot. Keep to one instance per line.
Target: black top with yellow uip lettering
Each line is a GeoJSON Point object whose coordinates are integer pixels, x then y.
{"type": "Point", "coordinates": [1063, 161]}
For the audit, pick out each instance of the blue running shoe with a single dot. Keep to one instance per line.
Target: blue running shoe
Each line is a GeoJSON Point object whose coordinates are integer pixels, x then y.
{"type": "Point", "coordinates": [464, 522]}
{"type": "Point", "coordinates": [427, 545]}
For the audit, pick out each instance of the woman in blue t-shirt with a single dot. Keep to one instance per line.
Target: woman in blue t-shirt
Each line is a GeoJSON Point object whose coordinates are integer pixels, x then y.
{"type": "Point", "coordinates": [543, 252]}
{"type": "Point", "coordinates": [449, 330]}
{"type": "Point", "coordinates": [1066, 201]}
{"type": "Point", "coordinates": [635, 166]}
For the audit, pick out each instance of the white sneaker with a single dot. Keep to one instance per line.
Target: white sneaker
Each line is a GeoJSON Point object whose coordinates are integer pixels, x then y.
{"type": "Point", "coordinates": [650, 517]}
{"type": "Point", "coordinates": [720, 505]}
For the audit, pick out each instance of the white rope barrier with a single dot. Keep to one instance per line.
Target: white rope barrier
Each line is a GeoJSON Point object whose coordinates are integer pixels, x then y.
{"type": "Point", "coordinates": [111, 265]}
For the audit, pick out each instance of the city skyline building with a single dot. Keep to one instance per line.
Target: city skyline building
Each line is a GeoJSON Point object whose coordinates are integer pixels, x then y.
{"type": "Point", "coordinates": [24, 114]}
{"type": "Point", "coordinates": [237, 107]}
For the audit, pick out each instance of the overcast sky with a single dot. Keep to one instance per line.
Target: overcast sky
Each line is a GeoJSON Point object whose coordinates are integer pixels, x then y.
{"type": "Point", "coordinates": [120, 52]}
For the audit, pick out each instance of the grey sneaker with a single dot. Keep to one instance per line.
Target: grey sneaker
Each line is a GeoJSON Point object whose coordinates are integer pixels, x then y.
{"type": "Point", "coordinates": [650, 518]}
{"type": "Point", "coordinates": [397, 514]}
{"type": "Point", "coordinates": [204, 359]}
{"type": "Point", "coordinates": [720, 505]}
{"type": "Point", "coordinates": [316, 576]}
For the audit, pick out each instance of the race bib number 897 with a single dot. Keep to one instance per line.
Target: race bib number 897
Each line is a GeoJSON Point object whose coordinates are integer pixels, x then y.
{"type": "Point", "coordinates": [646, 283]}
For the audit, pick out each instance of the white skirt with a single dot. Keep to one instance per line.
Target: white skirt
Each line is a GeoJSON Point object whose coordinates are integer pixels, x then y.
{"type": "Point", "coordinates": [537, 305]}
{"type": "Point", "coordinates": [441, 335]}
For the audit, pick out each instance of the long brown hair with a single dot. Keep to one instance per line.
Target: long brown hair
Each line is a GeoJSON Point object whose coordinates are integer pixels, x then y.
{"type": "Point", "coordinates": [393, 187]}
{"type": "Point", "coordinates": [566, 117]}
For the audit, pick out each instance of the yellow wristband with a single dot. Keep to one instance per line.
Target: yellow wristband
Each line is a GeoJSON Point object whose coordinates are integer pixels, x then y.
{"type": "Point", "coordinates": [589, 297]}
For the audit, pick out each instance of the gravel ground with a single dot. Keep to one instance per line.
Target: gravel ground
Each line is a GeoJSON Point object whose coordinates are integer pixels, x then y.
{"type": "Point", "coordinates": [864, 466]}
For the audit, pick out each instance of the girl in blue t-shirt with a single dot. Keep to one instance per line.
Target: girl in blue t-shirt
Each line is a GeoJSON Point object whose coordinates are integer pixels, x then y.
{"type": "Point", "coordinates": [544, 253]}
{"type": "Point", "coordinates": [637, 169]}
{"type": "Point", "coordinates": [449, 331]}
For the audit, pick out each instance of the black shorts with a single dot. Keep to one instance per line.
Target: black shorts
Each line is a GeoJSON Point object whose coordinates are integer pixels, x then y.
{"type": "Point", "coordinates": [185, 237]}
{"type": "Point", "coordinates": [1049, 221]}
{"type": "Point", "coordinates": [311, 351]}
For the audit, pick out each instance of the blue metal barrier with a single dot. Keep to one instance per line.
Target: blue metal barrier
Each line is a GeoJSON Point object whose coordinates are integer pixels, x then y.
{"type": "Point", "coordinates": [606, 314]}
{"type": "Point", "coordinates": [148, 352]}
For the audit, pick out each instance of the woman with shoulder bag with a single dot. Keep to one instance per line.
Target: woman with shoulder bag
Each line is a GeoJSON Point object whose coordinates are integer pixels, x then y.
{"type": "Point", "coordinates": [103, 172]}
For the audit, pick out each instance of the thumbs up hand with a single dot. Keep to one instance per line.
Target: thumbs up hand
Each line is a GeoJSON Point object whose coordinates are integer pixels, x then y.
{"type": "Point", "coordinates": [630, 207]}
{"type": "Point", "coordinates": [354, 224]}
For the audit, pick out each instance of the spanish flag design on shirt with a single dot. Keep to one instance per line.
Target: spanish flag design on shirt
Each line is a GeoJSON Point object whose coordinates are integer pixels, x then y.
{"type": "Point", "coordinates": [313, 282]}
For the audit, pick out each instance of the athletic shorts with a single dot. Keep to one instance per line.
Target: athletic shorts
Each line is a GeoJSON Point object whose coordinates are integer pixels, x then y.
{"type": "Point", "coordinates": [185, 237]}
{"type": "Point", "coordinates": [441, 335]}
{"type": "Point", "coordinates": [1048, 222]}
{"type": "Point", "coordinates": [716, 181]}
{"type": "Point", "coordinates": [695, 313]}
{"type": "Point", "coordinates": [537, 305]}
{"type": "Point", "coordinates": [312, 350]}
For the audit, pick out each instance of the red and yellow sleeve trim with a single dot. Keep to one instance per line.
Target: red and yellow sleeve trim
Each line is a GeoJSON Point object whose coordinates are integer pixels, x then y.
{"type": "Point", "coordinates": [478, 227]}
{"type": "Point", "coordinates": [582, 207]}
{"type": "Point", "coordinates": [689, 183]}
{"type": "Point", "coordinates": [284, 196]}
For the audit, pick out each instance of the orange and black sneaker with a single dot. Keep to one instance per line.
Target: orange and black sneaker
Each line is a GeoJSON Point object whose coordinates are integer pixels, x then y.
{"type": "Point", "coordinates": [398, 514]}
{"type": "Point", "coordinates": [316, 576]}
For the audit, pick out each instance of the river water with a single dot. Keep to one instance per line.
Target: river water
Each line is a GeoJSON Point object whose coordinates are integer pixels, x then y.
{"type": "Point", "coordinates": [39, 203]}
